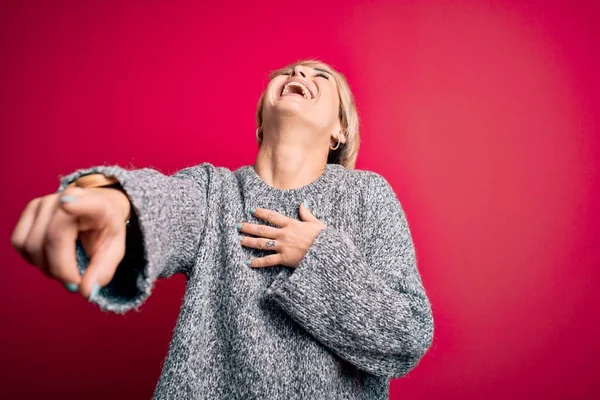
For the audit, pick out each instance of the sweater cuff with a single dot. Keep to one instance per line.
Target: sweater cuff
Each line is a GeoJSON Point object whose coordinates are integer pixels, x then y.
{"type": "Point", "coordinates": [133, 279]}
{"type": "Point", "coordinates": [323, 281]}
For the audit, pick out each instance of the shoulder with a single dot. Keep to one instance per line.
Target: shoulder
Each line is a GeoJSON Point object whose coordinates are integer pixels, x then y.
{"type": "Point", "coordinates": [368, 180]}
{"type": "Point", "coordinates": [204, 172]}
{"type": "Point", "coordinates": [376, 193]}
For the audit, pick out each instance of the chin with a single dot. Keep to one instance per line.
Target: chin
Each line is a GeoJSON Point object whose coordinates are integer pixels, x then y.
{"type": "Point", "coordinates": [287, 107]}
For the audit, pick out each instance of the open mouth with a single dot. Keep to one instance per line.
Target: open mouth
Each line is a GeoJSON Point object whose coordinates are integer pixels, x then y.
{"type": "Point", "coordinates": [296, 88]}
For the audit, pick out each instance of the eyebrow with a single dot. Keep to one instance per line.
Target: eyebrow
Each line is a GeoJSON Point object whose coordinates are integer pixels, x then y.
{"type": "Point", "coordinates": [321, 70]}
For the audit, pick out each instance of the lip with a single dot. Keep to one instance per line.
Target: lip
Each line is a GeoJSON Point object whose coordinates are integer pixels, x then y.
{"type": "Point", "coordinates": [302, 81]}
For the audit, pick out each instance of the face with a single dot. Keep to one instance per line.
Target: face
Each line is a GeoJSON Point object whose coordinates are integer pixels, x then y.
{"type": "Point", "coordinates": [305, 94]}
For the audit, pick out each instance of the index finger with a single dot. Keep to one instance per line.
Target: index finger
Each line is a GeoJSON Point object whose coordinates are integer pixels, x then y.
{"type": "Point", "coordinates": [273, 217]}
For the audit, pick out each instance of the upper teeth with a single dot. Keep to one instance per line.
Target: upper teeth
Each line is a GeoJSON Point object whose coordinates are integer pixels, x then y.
{"type": "Point", "coordinates": [305, 91]}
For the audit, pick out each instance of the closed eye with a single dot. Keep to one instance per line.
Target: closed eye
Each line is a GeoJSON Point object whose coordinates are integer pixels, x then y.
{"type": "Point", "coordinates": [319, 74]}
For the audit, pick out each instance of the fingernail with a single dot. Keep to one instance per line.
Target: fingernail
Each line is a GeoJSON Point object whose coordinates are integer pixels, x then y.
{"type": "Point", "coordinates": [240, 238]}
{"type": "Point", "coordinates": [238, 226]}
{"type": "Point", "coordinates": [248, 262]}
{"type": "Point", "coordinates": [252, 210]}
{"type": "Point", "coordinates": [306, 204]}
{"type": "Point", "coordinates": [67, 199]}
{"type": "Point", "coordinates": [94, 293]}
{"type": "Point", "coordinates": [71, 287]}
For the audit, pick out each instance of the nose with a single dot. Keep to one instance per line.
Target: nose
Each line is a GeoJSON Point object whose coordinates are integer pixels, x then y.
{"type": "Point", "coordinates": [299, 70]}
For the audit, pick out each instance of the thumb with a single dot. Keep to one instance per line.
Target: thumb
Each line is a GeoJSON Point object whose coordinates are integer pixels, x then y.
{"type": "Point", "coordinates": [305, 213]}
{"type": "Point", "coordinates": [93, 208]}
{"type": "Point", "coordinates": [86, 205]}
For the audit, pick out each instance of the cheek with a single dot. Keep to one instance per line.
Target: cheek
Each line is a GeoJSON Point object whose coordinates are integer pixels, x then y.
{"type": "Point", "coordinates": [268, 98]}
{"type": "Point", "coordinates": [333, 101]}
{"type": "Point", "coordinates": [273, 88]}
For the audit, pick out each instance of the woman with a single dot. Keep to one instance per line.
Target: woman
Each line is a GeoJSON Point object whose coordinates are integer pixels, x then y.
{"type": "Point", "coordinates": [301, 274]}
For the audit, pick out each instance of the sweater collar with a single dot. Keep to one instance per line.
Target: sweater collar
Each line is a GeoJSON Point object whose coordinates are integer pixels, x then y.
{"type": "Point", "coordinates": [325, 182]}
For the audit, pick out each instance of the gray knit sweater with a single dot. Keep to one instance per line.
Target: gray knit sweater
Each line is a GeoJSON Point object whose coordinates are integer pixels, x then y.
{"type": "Point", "coordinates": [353, 314]}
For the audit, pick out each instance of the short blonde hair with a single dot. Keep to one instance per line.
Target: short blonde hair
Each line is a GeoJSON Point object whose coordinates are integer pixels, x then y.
{"type": "Point", "coordinates": [346, 154]}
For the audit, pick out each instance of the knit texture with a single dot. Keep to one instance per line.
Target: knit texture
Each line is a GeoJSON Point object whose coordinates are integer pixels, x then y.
{"type": "Point", "coordinates": [352, 315]}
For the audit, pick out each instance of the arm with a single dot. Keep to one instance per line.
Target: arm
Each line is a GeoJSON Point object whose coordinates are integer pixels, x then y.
{"type": "Point", "coordinates": [167, 224]}
{"type": "Point", "coordinates": [366, 304]}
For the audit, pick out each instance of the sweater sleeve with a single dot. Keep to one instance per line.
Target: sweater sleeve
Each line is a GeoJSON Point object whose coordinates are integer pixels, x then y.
{"type": "Point", "coordinates": [367, 304]}
{"type": "Point", "coordinates": [167, 224]}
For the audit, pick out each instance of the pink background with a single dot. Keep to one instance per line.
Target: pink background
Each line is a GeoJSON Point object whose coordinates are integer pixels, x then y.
{"type": "Point", "coordinates": [483, 115]}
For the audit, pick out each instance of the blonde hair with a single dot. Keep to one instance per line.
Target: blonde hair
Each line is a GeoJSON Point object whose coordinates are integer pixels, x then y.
{"type": "Point", "coordinates": [346, 154]}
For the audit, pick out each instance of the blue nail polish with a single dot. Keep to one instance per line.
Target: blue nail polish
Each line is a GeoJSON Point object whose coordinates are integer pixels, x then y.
{"type": "Point", "coordinates": [94, 293]}
{"type": "Point", "coordinates": [252, 210]}
{"type": "Point", "coordinates": [248, 262]}
{"type": "Point", "coordinates": [67, 199]}
{"type": "Point", "coordinates": [306, 204]}
{"type": "Point", "coordinates": [238, 226]}
{"type": "Point", "coordinates": [240, 238]}
{"type": "Point", "coordinates": [71, 287]}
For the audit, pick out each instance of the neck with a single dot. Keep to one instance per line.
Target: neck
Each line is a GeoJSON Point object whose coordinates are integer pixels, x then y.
{"type": "Point", "coordinates": [290, 160]}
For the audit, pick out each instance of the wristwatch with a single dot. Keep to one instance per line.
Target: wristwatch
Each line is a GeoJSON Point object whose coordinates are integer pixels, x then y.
{"type": "Point", "coordinates": [94, 180]}
{"type": "Point", "coordinates": [98, 180]}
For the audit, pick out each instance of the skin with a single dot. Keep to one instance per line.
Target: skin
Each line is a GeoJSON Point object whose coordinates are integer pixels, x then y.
{"type": "Point", "coordinates": [289, 241]}
{"type": "Point", "coordinates": [297, 133]}
{"type": "Point", "coordinates": [46, 231]}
